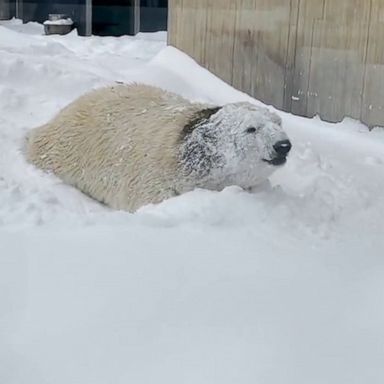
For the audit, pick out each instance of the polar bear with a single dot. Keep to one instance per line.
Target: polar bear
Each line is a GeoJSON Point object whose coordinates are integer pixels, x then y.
{"type": "Point", "coordinates": [130, 145]}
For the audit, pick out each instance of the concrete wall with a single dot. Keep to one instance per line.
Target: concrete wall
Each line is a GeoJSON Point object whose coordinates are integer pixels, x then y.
{"type": "Point", "coordinates": [308, 57]}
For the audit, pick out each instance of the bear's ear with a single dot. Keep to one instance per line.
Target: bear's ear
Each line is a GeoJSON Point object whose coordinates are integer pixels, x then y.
{"type": "Point", "coordinates": [276, 118]}
{"type": "Point", "coordinates": [197, 119]}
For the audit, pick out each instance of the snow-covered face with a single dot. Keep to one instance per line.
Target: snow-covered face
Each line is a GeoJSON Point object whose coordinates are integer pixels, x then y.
{"type": "Point", "coordinates": [252, 133]}
{"type": "Point", "coordinates": [237, 144]}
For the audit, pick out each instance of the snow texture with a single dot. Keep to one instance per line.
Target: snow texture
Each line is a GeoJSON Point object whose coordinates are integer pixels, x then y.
{"type": "Point", "coordinates": [284, 285]}
{"type": "Point", "coordinates": [66, 21]}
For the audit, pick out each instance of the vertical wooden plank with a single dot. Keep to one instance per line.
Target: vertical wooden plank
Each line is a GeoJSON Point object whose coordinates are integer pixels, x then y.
{"type": "Point", "coordinates": [220, 37]}
{"type": "Point", "coordinates": [260, 49]}
{"type": "Point", "coordinates": [244, 48]}
{"type": "Point", "coordinates": [272, 26]}
{"type": "Point", "coordinates": [291, 55]}
{"type": "Point", "coordinates": [309, 10]}
{"type": "Point", "coordinates": [174, 15]}
{"type": "Point", "coordinates": [337, 60]}
{"type": "Point", "coordinates": [171, 30]}
{"type": "Point", "coordinates": [198, 20]}
{"type": "Point", "coordinates": [373, 93]}
{"type": "Point", "coordinates": [188, 26]}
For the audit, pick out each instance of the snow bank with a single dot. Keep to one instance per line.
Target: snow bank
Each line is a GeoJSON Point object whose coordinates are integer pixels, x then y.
{"type": "Point", "coordinates": [66, 21]}
{"type": "Point", "coordinates": [281, 286]}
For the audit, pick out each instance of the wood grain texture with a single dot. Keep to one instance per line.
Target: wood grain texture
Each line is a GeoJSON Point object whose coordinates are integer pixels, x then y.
{"type": "Point", "coordinates": [308, 57]}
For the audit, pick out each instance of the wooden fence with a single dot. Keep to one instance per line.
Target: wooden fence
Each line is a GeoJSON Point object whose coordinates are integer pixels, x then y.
{"type": "Point", "coordinates": [308, 57]}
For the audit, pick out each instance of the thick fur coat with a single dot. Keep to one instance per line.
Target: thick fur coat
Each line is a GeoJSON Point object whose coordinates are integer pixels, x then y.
{"type": "Point", "coordinates": [127, 146]}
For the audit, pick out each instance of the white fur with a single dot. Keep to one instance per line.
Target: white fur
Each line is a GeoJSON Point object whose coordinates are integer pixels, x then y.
{"type": "Point", "coordinates": [125, 146]}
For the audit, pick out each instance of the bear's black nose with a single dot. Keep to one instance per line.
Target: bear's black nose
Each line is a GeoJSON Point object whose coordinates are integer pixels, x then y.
{"type": "Point", "coordinates": [282, 147]}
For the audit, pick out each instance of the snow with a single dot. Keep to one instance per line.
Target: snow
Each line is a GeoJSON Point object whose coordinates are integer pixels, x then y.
{"type": "Point", "coordinates": [282, 286]}
{"type": "Point", "coordinates": [66, 21]}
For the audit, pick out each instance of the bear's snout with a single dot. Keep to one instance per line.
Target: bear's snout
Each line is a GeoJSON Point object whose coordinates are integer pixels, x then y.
{"type": "Point", "coordinates": [282, 148]}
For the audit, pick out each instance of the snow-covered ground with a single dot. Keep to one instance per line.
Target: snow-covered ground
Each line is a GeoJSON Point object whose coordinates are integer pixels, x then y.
{"type": "Point", "coordinates": [283, 286]}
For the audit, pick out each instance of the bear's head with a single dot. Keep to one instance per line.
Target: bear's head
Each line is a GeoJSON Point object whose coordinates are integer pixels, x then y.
{"type": "Point", "coordinates": [236, 144]}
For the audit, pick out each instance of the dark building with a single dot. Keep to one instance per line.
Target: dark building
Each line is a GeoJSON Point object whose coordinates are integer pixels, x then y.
{"type": "Point", "coordinates": [153, 15]}
{"type": "Point", "coordinates": [99, 17]}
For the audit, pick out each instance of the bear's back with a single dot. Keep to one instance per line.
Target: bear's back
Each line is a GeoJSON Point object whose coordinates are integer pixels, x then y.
{"type": "Point", "coordinates": [117, 144]}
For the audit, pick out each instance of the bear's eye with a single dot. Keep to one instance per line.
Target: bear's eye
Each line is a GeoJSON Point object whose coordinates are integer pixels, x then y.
{"type": "Point", "coordinates": [251, 130]}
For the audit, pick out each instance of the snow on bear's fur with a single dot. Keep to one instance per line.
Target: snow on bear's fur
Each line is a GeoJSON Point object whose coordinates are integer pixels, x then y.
{"type": "Point", "coordinates": [131, 145]}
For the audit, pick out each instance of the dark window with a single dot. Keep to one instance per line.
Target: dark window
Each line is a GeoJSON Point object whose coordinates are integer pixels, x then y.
{"type": "Point", "coordinates": [153, 15]}
{"type": "Point", "coordinates": [109, 17]}
{"type": "Point", "coordinates": [112, 17]}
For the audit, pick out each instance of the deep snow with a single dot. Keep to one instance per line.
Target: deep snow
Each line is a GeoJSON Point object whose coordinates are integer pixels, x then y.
{"type": "Point", "coordinates": [285, 285]}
